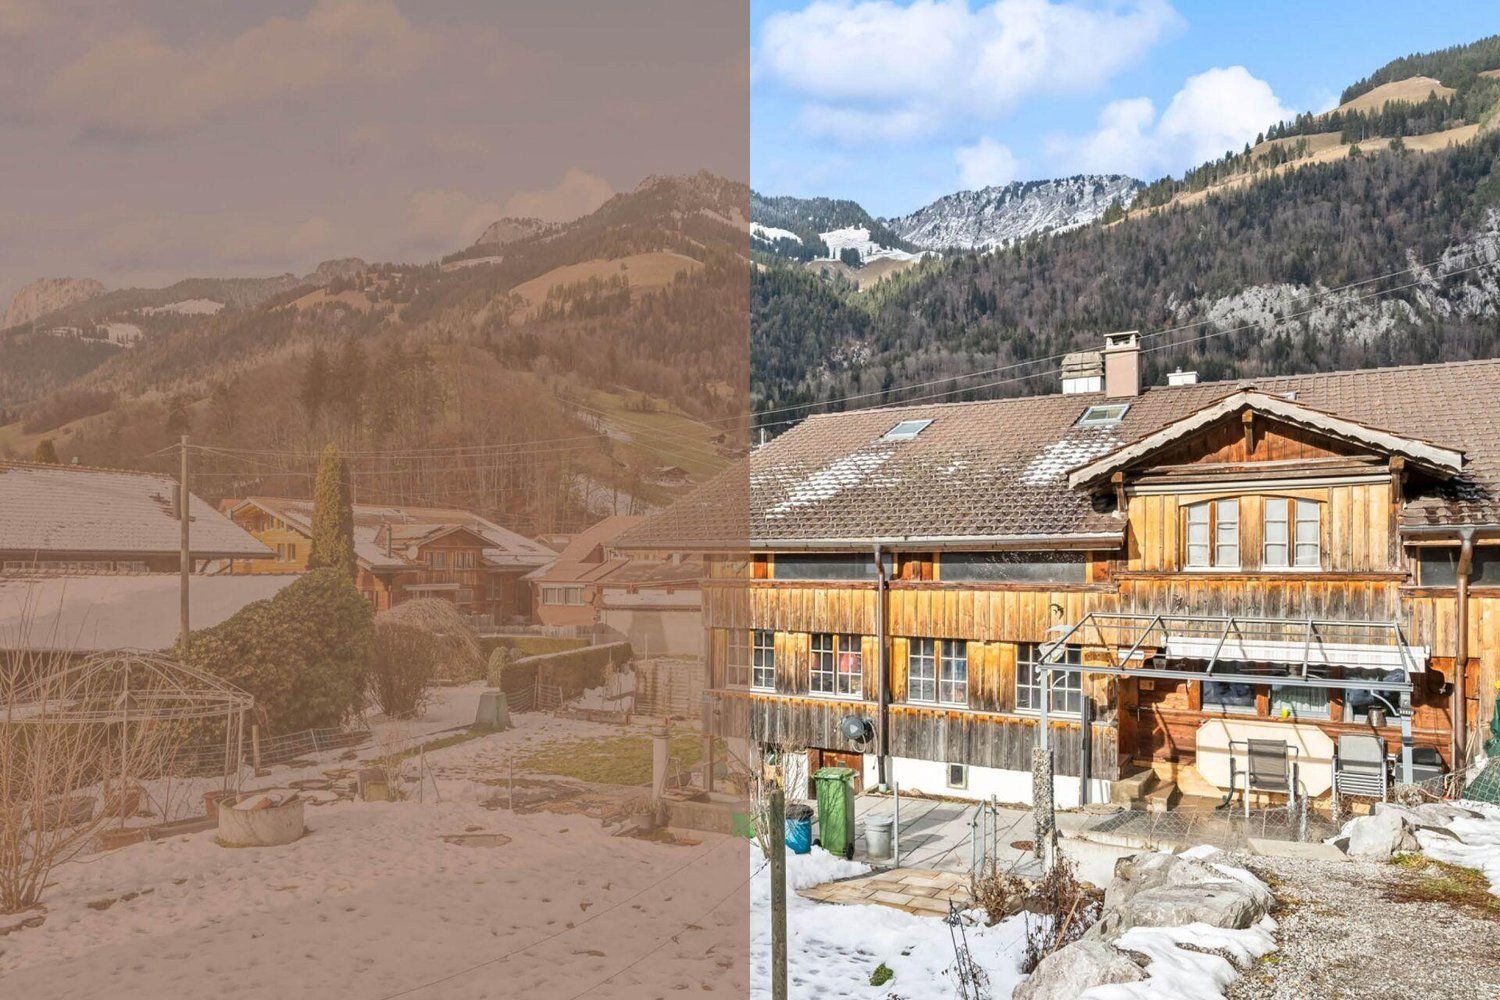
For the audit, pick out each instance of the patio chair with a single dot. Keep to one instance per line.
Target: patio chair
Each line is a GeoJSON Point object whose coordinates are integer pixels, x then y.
{"type": "Point", "coordinates": [1359, 768]}
{"type": "Point", "coordinates": [1271, 766]}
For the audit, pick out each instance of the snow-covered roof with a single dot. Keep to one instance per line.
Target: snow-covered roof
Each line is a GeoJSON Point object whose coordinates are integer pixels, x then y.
{"type": "Point", "coordinates": [46, 509]}
{"type": "Point", "coordinates": [93, 613]}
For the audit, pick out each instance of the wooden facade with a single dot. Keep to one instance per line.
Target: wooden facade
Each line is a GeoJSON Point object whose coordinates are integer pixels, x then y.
{"type": "Point", "coordinates": [1365, 571]}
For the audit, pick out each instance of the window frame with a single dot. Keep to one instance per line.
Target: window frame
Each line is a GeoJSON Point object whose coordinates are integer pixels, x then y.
{"type": "Point", "coordinates": [736, 673]}
{"type": "Point", "coordinates": [1068, 683]}
{"type": "Point", "coordinates": [762, 659]}
{"type": "Point", "coordinates": [829, 651]}
{"type": "Point", "coordinates": [918, 681]}
{"type": "Point", "coordinates": [1296, 513]}
{"type": "Point", "coordinates": [1214, 537]}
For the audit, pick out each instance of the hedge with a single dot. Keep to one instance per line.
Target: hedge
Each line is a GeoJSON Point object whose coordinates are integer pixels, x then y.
{"type": "Point", "coordinates": [574, 670]}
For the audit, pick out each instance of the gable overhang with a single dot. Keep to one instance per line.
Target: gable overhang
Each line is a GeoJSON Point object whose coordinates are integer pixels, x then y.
{"type": "Point", "coordinates": [1434, 459]}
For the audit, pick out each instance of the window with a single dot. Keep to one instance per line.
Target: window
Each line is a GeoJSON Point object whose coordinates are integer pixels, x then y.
{"type": "Point", "coordinates": [1067, 685]}
{"type": "Point", "coordinates": [1359, 701]}
{"type": "Point", "coordinates": [286, 551]}
{"type": "Point", "coordinates": [938, 670]}
{"type": "Point", "coordinates": [737, 662]}
{"type": "Point", "coordinates": [463, 559]}
{"type": "Point", "coordinates": [958, 776]}
{"type": "Point", "coordinates": [437, 559]}
{"type": "Point", "coordinates": [1023, 567]}
{"type": "Point", "coordinates": [1220, 696]}
{"type": "Point", "coordinates": [1292, 537]}
{"type": "Point", "coordinates": [1296, 702]}
{"type": "Point", "coordinates": [906, 430]}
{"type": "Point", "coordinates": [828, 566]}
{"type": "Point", "coordinates": [921, 670]}
{"type": "Point", "coordinates": [837, 664]}
{"type": "Point", "coordinates": [1213, 534]}
{"type": "Point", "coordinates": [1437, 566]}
{"type": "Point", "coordinates": [1106, 415]}
{"type": "Point", "coordinates": [566, 596]}
{"type": "Point", "coordinates": [763, 660]}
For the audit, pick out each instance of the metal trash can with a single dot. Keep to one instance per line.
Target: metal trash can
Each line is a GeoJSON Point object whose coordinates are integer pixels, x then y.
{"type": "Point", "coordinates": [836, 810]}
{"type": "Point", "coordinates": [799, 819]}
{"type": "Point", "coordinates": [878, 836]}
{"type": "Point", "coordinates": [494, 711]}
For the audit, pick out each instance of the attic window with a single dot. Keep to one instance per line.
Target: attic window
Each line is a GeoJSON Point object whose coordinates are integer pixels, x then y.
{"type": "Point", "coordinates": [1103, 416]}
{"type": "Point", "coordinates": [906, 430]}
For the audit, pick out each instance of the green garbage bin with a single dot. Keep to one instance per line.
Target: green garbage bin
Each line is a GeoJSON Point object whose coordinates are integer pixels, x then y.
{"type": "Point", "coordinates": [835, 787]}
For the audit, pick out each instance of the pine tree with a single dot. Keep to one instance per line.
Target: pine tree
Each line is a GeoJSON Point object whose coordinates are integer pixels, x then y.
{"type": "Point", "coordinates": [315, 381]}
{"type": "Point", "coordinates": [333, 516]}
{"type": "Point", "coordinates": [46, 452]}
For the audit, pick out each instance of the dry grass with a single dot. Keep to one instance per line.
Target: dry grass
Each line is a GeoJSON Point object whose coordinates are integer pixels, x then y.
{"type": "Point", "coordinates": [642, 270]}
{"type": "Point", "coordinates": [1413, 90]}
{"type": "Point", "coordinates": [1432, 881]}
{"type": "Point", "coordinates": [620, 760]}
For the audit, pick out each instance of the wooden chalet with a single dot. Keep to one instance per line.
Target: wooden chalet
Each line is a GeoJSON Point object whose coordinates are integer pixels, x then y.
{"type": "Point", "coordinates": [1152, 575]}
{"type": "Point", "coordinates": [407, 552]}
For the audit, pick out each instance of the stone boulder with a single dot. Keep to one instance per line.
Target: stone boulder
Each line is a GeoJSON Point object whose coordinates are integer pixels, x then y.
{"type": "Point", "coordinates": [1378, 835]}
{"type": "Point", "coordinates": [1068, 972]}
{"type": "Point", "coordinates": [1165, 890]}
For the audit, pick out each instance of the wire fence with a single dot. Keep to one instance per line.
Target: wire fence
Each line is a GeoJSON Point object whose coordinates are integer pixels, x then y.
{"type": "Point", "coordinates": [212, 758]}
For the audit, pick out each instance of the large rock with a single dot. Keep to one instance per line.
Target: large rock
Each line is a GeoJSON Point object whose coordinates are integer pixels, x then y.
{"type": "Point", "coordinates": [1378, 835]}
{"type": "Point", "coordinates": [1082, 965]}
{"type": "Point", "coordinates": [46, 295]}
{"type": "Point", "coordinates": [1164, 890]}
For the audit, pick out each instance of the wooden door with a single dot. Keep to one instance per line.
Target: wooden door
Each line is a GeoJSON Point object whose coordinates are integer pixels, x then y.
{"type": "Point", "coordinates": [817, 759]}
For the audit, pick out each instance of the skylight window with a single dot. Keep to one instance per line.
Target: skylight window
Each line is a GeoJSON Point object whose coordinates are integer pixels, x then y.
{"type": "Point", "coordinates": [1103, 416]}
{"type": "Point", "coordinates": [906, 430]}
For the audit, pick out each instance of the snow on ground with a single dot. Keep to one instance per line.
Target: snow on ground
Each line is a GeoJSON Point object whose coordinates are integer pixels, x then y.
{"type": "Point", "coordinates": [771, 234]}
{"type": "Point", "coordinates": [1478, 843]}
{"type": "Point", "coordinates": [835, 948]}
{"type": "Point", "coordinates": [374, 901]}
{"type": "Point", "coordinates": [187, 307]}
{"type": "Point", "coordinates": [616, 694]}
{"type": "Point", "coordinates": [1177, 973]}
{"type": "Point", "coordinates": [858, 237]}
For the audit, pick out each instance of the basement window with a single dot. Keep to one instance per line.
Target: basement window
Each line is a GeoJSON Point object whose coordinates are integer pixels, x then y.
{"type": "Point", "coordinates": [958, 776]}
{"type": "Point", "coordinates": [1106, 415]}
{"type": "Point", "coordinates": [906, 430]}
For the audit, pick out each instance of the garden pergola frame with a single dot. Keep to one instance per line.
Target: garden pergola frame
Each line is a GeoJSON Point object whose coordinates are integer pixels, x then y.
{"type": "Point", "coordinates": [133, 688]}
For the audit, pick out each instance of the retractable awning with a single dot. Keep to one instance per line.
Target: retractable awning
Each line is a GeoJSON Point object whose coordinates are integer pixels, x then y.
{"type": "Point", "coordinates": [1316, 654]}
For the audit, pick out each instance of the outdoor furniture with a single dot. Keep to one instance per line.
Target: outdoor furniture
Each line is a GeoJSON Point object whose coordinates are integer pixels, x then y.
{"type": "Point", "coordinates": [1270, 766]}
{"type": "Point", "coordinates": [1359, 768]}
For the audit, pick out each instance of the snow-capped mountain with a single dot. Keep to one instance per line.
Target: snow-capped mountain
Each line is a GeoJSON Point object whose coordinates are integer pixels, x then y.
{"type": "Point", "coordinates": [996, 216]}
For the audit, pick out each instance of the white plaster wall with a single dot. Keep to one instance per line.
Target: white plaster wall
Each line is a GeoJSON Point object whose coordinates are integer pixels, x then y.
{"type": "Point", "coordinates": [930, 777]}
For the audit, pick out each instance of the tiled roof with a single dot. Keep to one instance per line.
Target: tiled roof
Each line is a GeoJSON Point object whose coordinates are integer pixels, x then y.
{"type": "Point", "coordinates": [64, 508]}
{"type": "Point", "coordinates": [998, 469]}
{"type": "Point", "coordinates": [584, 559]}
{"type": "Point", "coordinates": [94, 613]}
{"type": "Point", "coordinates": [412, 526]}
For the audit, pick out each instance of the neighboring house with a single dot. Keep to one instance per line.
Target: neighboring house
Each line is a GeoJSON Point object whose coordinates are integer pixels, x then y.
{"type": "Point", "coordinates": [566, 590]}
{"type": "Point", "coordinates": [657, 604]}
{"type": "Point", "coordinates": [407, 552]}
{"type": "Point", "coordinates": [652, 599]}
{"type": "Point", "coordinates": [68, 519]}
{"type": "Point", "coordinates": [1287, 558]}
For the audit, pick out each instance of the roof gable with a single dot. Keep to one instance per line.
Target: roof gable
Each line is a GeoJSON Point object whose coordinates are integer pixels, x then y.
{"type": "Point", "coordinates": [1438, 460]}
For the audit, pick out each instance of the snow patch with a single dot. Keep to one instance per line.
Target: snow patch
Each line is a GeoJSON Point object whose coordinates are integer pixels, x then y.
{"type": "Point", "coordinates": [771, 234]}
{"type": "Point", "coordinates": [858, 238]}
{"type": "Point", "coordinates": [827, 482]}
{"type": "Point", "coordinates": [1053, 461]}
{"type": "Point", "coordinates": [1176, 973]}
{"type": "Point", "coordinates": [187, 307]}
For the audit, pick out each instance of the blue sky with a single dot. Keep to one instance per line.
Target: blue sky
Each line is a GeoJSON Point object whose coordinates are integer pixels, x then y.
{"type": "Point", "coordinates": [895, 103]}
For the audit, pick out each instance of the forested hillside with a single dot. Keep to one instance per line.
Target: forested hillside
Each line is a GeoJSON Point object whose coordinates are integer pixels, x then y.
{"type": "Point", "coordinates": [1240, 264]}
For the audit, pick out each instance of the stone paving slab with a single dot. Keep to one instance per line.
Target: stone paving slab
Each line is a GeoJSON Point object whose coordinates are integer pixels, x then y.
{"type": "Point", "coordinates": [1291, 849]}
{"type": "Point", "coordinates": [924, 893]}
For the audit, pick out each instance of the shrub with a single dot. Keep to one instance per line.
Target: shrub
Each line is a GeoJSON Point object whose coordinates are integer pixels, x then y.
{"type": "Point", "coordinates": [1059, 909]}
{"type": "Point", "coordinates": [302, 654]}
{"type": "Point", "coordinates": [402, 666]}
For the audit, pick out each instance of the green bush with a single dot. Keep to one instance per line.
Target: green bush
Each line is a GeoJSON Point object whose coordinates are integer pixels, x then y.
{"type": "Point", "coordinates": [303, 654]}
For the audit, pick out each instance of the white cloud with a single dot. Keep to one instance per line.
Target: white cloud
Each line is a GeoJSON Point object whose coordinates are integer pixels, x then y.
{"type": "Point", "coordinates": [930, 62]}
{"type": "Point", "coordinates": [1218, 110]}
{"type": "Point", "coordinates": [444, 221]}
{"type": "Point", "coordinates": [136, 83]}
{"type": "Point", "coordinates": [577, 193]}
{"type": "Point", "coordinates": [984, 163]}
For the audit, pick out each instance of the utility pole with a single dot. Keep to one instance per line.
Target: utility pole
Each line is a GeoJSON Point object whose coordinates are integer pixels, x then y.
{"type": "Point", "coordinates": [778, 893]}
{"type": "Point", "coordinates": [184, 557]}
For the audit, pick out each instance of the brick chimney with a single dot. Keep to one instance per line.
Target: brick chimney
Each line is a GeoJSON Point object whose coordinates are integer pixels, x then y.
{"type": "Point", "coordinates": [1122, 364]}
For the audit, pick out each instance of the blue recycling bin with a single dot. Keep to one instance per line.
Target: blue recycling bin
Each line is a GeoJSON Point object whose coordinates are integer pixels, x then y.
{"type": "Point", "coordinates": [799, 828]}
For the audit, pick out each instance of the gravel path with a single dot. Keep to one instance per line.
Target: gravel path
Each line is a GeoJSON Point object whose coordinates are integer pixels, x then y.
{"type": "Point", "coordinates": [1342, 938]}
